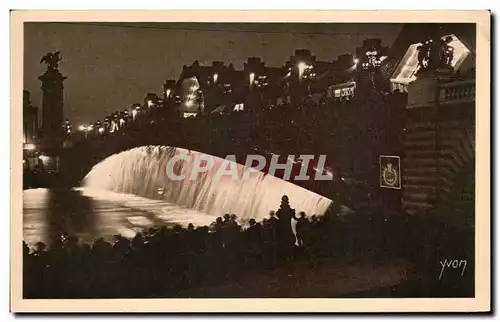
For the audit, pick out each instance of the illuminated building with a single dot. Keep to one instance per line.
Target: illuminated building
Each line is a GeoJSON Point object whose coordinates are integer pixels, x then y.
{"type": "Point", "coordinates": [30, 120]}
{"type": "Point", "coordinates": [168, 89]}
{"type": "Point", "coordinates": [304, 72]}
{"type": "Point", "coordinates": [30, 133]}
{"type": "Point", "coordinates": [264, 84]}
{"type": "Point", "coordinates": [151, 100]}
{"type": "Point", "coordinates": [207, 88]}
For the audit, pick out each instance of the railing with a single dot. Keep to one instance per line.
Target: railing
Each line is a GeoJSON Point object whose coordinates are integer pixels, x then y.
{"type": "Point", "coordinates": [458, 92]}
{"type": "Point", "coordinates": [402, 87]}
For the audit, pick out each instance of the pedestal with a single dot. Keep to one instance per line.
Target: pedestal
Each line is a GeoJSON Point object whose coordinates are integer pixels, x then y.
{"type": "Point", "coordinates": [52, 134]}
{"type": "Point", "coordinates": [424, 91]}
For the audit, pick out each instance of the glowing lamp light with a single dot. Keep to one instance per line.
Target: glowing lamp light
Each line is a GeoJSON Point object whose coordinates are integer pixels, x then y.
{"type": "Point", "coordinates": [194, 88]}
{"type": "Point", "coordinates": [82, 128]}
{"type": "Point", "coordinates": [356, 61]}
{"type": "Point", "coordinates": [189, 103]}
{"type": "Point", "coordinates": [134, 113]}
{"type": "Point", "coordinates": [216, 76]}
{"type": "Point", "coordinates": [302, 67]}
{"type": "Point", "coordinates": [167, 93]}
{"type": "Point", "coordinates": [150, 103]}
{"type": "Point", "coordinates": [252, 78]}
{"type": "Point", "coordinates": [101, 130]}
{"type": "Point", "coordinates": [44, 158]}
{"type": "Point", "coordinates": [29, 147]}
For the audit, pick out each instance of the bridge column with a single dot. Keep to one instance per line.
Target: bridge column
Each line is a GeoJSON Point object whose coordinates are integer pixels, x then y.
{"type": "Point", "coordinates": [52, 135]}
{"type": "Point", "coordinates": [437, 137]}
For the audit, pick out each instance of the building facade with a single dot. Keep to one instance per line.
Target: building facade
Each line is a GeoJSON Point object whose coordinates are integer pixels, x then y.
{"type": "Point", "coordinates": [30, 120]}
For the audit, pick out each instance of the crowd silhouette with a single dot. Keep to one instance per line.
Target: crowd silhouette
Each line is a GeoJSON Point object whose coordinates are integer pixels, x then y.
{"type": "Point", "coordinates": [162, 261]}
{"type": "Point", "coordinates": [170, 261]}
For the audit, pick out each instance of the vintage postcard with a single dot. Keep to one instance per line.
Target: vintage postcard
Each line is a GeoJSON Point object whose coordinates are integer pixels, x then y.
{"type": "Point", "coordinates": [273, 161]}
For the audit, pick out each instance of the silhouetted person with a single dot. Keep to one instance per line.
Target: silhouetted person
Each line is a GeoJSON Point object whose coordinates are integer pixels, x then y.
{"type": "Point", "coordinates": [284, 233]}
{"type": "Point", "coordinates": [120, 246]}
{"type": "Point", "coordinates": [233, 220]}
{"type": "Point", "coordinates": [137, 241]}
{"type": "Point", "coordinates": [270, 243]}
{"type": "Point", "coordinates": [273, 221]}
{"type": "Point", "coordinates": [26, 249]}
{"type": "Point", "coordinates": [39, 249]}
{"type": "Point", "coordinates": [227, 218]}
{"type": "Point", "coordinates": [302, 228]}
{"type": "Point", "coordinates": [190, 239]}
{"type": "Point", "coordinates": [253, 243]}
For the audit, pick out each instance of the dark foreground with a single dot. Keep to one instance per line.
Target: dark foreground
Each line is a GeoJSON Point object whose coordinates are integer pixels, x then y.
{"type": "Point", "coordinates": [362, 256]}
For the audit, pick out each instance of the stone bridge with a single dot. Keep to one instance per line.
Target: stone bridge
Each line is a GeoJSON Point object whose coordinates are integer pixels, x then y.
{"type": "Point", "coordinates": [200, 135]}
{"type": "Point", "coordinates": [434, 141]}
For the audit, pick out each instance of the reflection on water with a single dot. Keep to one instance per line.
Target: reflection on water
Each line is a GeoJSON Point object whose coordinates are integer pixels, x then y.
{"type": "Point", "coordinates": [89, 214]}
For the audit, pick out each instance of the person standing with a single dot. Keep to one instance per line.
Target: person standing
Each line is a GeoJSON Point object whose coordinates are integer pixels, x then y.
{"type": "Point", "coordinates": [285, 237]}
{"type": "Point", "coordinates": [301, 228]}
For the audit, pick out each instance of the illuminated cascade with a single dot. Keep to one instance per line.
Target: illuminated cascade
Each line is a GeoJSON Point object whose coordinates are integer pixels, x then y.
{"type": "Point", "coordinates": [142, 172]}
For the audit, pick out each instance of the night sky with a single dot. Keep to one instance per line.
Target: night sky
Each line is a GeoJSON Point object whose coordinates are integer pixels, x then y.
{"type": "Point", "coordinates": [109, 67]}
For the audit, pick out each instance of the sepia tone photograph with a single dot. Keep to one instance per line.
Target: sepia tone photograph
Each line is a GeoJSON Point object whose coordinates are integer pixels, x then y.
{"type": "Point", "coordinates": [212, 159]}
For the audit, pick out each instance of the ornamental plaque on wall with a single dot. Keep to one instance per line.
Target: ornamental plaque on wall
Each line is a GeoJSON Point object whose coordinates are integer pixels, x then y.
{"type": "Point", "coordinates": [390, 172]}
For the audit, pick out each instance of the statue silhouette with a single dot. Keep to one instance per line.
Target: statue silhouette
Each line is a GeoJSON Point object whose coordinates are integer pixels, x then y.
{"type": "Point", "coordinates": [52, 60]}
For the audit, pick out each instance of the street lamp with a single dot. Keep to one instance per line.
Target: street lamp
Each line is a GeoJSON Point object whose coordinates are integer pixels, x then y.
{"type": "Point", "coordinates": [29, 147]}
{"type": "Point", "coordinates": [44, 158]}
{"type": "Point", "coordinates": [252, 78]}
{"type": "Point", "coordinates": [371, 64]}
{"type": "Point", "coordinates": [372, 60]}
{"type": "Point", "coordinates": [85, 129]}
{"type": "Point", "coordinates": [302, 67]}
{"type": "Point", "coordinates": [216, 76]}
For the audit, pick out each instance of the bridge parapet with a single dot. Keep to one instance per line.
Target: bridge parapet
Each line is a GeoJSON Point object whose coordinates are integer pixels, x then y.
{"type": "Point", "coordinates": [458, 92]}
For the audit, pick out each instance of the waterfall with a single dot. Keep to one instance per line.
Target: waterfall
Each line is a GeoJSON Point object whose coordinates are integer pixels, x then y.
{"type": "Point", "coordinates": [142, 171]}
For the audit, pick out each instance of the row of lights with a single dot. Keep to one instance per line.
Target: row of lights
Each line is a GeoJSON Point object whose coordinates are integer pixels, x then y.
{"type": "Point", "coordinates": [302, 67]}
{"type": "Point", "coordinates": [114, 125]}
